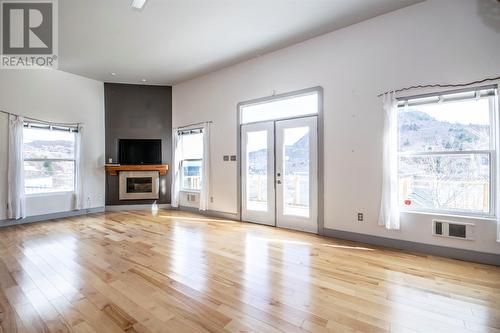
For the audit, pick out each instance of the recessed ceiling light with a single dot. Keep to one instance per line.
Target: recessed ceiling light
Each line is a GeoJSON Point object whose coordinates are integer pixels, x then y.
{"type": "Point", "coordinates": [113, 74]}
{"type": "Point", "coordinates": [137, 4]}
{"type": "Point", "coordinates": [143, 80]}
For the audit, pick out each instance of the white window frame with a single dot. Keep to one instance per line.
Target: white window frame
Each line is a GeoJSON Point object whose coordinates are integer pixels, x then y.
{"type": "Point", "coordinates": [51, 128]}
{"type": "Point", "coordinates": [480, 92]}
{"type": "Point", "coordinates": [242, 106]}
{"type": "Point", "coordinates": [182, 188]}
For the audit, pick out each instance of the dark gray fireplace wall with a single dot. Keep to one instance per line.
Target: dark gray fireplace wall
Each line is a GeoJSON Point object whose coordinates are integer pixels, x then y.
{"type": "Point", "coordinates": [137, 112]}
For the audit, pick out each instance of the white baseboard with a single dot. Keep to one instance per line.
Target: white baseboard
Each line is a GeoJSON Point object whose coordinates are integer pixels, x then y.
{"type": "Point", "coordinates": [119, 208]}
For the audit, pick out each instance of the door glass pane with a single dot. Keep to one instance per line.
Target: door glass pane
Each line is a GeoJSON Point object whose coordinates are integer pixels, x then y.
{"type": "Point", "coordinates": [296, 171]}
{"type": "Point", "coordinates": [256, 176]}
{"type": "Point", "coordinates": [293, 106]}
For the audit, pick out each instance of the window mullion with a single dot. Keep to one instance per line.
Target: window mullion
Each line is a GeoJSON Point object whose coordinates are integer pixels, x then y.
{"type": "Point", "coordinates": [49, 160]}
{"type": "Point", "coordinates": [444, 153]}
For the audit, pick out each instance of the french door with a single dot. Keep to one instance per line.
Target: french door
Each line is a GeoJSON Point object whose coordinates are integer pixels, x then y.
{"type": "Point", "coordinates": [257, 171]}
{"type": "Point", "coordinates": [280, 173]}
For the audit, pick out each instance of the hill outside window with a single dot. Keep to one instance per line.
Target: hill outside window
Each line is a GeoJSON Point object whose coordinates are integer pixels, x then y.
{"type": "Point", "coordinates": [447, 152]}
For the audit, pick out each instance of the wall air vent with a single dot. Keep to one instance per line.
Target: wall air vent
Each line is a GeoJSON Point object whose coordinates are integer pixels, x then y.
{"type": "Point", "coordinates": [189, 199]}
{"type": "Point", "coordinates": [452, 229]}
{"type": "Point", "coordinates": [192, 197]}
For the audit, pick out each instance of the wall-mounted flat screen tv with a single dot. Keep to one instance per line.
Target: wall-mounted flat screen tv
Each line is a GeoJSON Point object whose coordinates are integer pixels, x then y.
{"type": "Point", "coordinates": [139, 151]}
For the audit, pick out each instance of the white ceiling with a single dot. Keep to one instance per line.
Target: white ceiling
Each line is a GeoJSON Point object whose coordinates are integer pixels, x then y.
{"type": "Point", "coordinates": [169, 41]}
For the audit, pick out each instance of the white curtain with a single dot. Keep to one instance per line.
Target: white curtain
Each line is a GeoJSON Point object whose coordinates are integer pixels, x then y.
{"type": "Point", "coordinates": [389, 206]}
{"type": "Point", "coordinates": [16, 203]}
{"type": "Point", "coordinates": [79, 194]}
{"type": "Point", "coordinates": [176, 167]}
{"type": "Point", "coordinates": [494, 104]}
{"type": "Point", "coordinates": [205, 178]}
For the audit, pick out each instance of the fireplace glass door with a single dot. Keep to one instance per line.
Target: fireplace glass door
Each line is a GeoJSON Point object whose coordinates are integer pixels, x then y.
{"type": "Point", "coordinates": [139, 185]}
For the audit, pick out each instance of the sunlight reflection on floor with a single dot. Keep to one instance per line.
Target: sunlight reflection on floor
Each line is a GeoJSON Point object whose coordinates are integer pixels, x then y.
{"type": "Point", "coordinates": [256, 269]}
{"type": "Point", "coordinates": [188, 259]}
{"type": "Point", "coordinates": [194, 219]}
{"type": "Point", "coordinates": [288, 241]}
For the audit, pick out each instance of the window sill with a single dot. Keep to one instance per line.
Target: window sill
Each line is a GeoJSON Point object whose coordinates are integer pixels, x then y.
{"type": "Point", "coordinates": [462, 216]}
{"type": "Point", "coordinates": [48, 194]}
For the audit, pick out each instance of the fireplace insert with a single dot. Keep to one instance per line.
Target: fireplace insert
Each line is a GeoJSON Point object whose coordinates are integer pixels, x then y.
{"type": "Point", "coordinates": [138, 185]}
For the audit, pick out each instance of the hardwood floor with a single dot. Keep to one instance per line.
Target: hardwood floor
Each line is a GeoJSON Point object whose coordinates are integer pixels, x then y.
{"type": "Point", "coordinates": [179, 272]}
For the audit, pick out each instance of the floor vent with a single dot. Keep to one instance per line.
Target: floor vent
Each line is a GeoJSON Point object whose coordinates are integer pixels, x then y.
{"type": "Point", "coordinates": [451, 229]}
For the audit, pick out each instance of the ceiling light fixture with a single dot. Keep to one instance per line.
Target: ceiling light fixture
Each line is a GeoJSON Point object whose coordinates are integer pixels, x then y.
{"type": "Point", "coordinates": [143, 80]}
{"type": "Point", "coordinates": [113, 74]}
{"type": "Point", "coordinates": [138, 4]}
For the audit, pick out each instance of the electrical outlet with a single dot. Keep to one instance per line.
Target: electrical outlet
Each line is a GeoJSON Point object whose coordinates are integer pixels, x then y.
{"type": "Point", "coordinates": [212, 199]}
{"type": "Point", "coordinates": [360, 217]}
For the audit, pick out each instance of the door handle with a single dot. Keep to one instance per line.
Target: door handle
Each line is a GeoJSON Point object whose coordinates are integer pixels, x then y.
{"type": "Point", "coordinates": [278, 174]}
{"type": "Point", "coordinates": [278, 181]}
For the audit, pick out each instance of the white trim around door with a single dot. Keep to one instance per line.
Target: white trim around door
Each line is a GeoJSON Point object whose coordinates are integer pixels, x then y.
{"type": "Point", "coordinates": [266, 105]}
{"type": "Point", "coordinates": [257, 172]}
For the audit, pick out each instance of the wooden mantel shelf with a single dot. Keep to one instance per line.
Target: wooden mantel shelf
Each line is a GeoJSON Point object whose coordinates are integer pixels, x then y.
{"type": "Point", "coordinates": [113, 169]}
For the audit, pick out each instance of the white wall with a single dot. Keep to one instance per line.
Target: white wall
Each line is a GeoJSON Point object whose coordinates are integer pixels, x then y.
{"type": "Point", "coordinates": [432, 42]}
{"type": "Point", "coordinates": [62, 97]}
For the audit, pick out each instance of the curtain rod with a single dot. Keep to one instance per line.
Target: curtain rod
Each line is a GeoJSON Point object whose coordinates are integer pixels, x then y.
{"type": "Point", "coordinates": [441, 85]}
{"type": "Point", "coordinates": [193, 124]}
{"type": "Point", "coordinates": [40, 120]}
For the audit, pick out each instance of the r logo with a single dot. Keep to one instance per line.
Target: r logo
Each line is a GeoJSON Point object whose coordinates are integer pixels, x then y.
{"type": "Point", "coordinates": [27, 28]}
